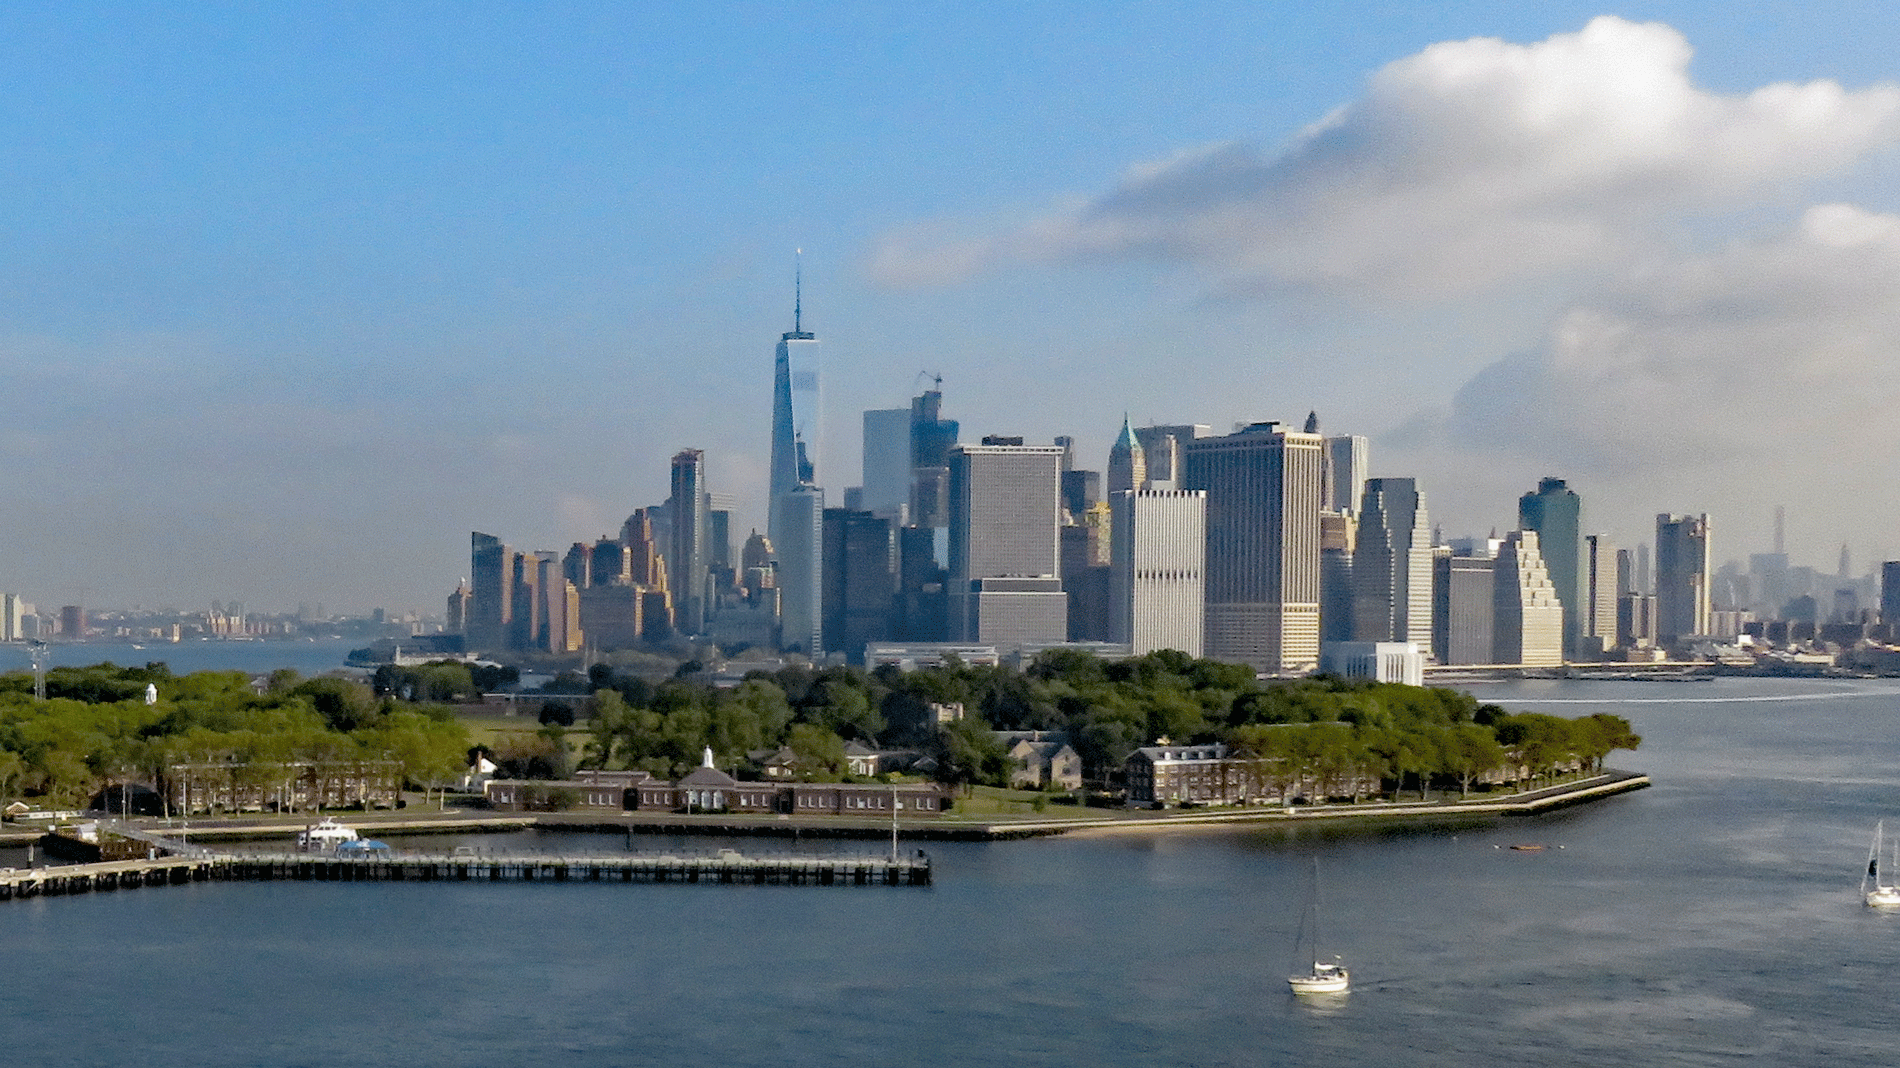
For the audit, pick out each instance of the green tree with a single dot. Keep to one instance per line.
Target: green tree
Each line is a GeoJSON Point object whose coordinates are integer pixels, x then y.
{"type": "Point", "coordinates": [969, 754]}
{"type": "Point", "coordinates": [819, 752]}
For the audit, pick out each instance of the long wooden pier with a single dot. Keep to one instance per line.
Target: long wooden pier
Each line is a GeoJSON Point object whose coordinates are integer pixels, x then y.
{"type": "Point", "coordinates": [725, 866]}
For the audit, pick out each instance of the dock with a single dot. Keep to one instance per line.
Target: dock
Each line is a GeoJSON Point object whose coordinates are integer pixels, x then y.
{"type": "Point", "coordinates": [724, 866]}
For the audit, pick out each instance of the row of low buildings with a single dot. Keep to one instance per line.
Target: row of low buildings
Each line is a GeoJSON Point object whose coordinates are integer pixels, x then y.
{"type": "Point", "coordinates": [708, 789]}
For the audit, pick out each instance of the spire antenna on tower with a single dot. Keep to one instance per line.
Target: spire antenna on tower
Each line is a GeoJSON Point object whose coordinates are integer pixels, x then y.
{"type": "Point", "coordinates": [798, 291]}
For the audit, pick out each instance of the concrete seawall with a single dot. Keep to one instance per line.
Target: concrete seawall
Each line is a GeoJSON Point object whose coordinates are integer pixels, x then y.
{"type": "Point", "coordinates": [938, 828]}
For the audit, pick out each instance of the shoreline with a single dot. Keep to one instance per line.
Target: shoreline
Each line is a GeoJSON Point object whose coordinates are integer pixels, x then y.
{"type": "Point", "coordinates": [947, 828]}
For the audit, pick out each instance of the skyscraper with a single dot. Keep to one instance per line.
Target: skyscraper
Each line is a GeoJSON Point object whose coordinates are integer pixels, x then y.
{"type": "Point", "coordinates": [1127, 462]}
{"type": "Point", "coordinates": [492, 589]}
{"type": "Point", "coordinates": [1158, 580]}
{"type": "Point", "coordinates": [1338, 533]}
{"type": "Point", "coordinates": [1005, 564]}
{"type": "Point", "coordinates": [1464, 607]}
{"type": "Point", "coordinates": [1527, 621]}
{"type": "Point", "coordinates": [860, 578]}
{"type": "Point", "coordinates": [886, 475]}
{"type": "Point", "coordinates": [798, 522]}
{"type": "Point", "coordinates": [795, 402]}
{"type": "Point", "coordinates": [1161, 451]}
{"type": "Point", "coordinates": [1890, 593]}
{"type": "Point", "coordinates": [1555, 512]}
{"type": "Point", "coordinates": [1682, 576]}
{"type": "Point", "coordinates": [1601, 587]}
{"type": "Point", "coordinates": [1346, 459]}
{"type": "Point", "coordinates": [1263, 501]}
{"type": "Point", "coordinates": [931, 439]}
{"type": "Point", "coordinates": [1392, 564]}
{"type": "Point", "coordinates": [795, 520]}
{"type": "Point", "coordinates": [686, 554]}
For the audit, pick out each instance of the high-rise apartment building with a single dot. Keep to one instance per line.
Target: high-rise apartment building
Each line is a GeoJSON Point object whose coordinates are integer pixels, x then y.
{"type": "Point", "coordinates": [1555, 512]}
{"type": "Point", "coordinates": [1158, 581]}
{"type": "Point", "coordinates": [1005, 563]}
{"type": "Point", "coordinates": [1392, 564]}
{"type": "Point", "coordinates": [1263, 488]}
{"type": "Point", "coordinates": [1682, 576]}
{"type": "Point", "coordinates": [1527, 619]}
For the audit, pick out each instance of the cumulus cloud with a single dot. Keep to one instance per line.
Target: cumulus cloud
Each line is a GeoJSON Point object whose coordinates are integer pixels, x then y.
{"type": "Point", "coordinates": [1766, 372]}
{"type": "Point", "coordinates": [1698, 359]}
{"type": "Point", "coordinates": [1465, 165]}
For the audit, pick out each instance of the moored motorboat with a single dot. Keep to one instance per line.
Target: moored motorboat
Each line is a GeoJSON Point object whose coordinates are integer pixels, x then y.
{"type": "Point", "coordinates": [328, 836]}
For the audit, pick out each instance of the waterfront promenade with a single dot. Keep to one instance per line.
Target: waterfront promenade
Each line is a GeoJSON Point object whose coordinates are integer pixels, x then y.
{"type": "Point", "coordinates": [1058, 819]}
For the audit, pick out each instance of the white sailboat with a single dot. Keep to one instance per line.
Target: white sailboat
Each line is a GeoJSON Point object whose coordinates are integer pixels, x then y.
{"type": "Point", "coordinates": [1872, 891]}
{"type": "Point", "coordinates": [1327, 977]}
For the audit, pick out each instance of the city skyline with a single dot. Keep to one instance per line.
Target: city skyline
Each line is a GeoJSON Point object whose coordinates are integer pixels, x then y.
{"type": "Point", "coordinates": [357, 283]}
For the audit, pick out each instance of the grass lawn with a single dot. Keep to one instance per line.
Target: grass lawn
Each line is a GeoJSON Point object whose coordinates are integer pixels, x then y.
{"type": "Point", "coordinates": [992, 801]}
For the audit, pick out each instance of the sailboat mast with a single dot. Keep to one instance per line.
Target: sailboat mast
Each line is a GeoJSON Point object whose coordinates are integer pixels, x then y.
{"type": "Point", "coordinates": [1316, 938]}
{"type": "Point", "coordinates": [1873, 859]}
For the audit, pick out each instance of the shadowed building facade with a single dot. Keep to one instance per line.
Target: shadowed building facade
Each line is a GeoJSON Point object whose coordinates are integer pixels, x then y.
{"type": "Point", "coordinates": [1005, 554]}
{"type": "Point", "coordinates": [1682, 576]}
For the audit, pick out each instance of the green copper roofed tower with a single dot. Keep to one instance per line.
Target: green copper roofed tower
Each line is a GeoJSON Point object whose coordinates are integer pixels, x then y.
{"type": "Point", "coordinates": [1127, 466]}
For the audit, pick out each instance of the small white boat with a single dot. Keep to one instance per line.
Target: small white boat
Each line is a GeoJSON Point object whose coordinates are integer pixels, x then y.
{"type": "Point", "coordinates": [1876, 894]}
{"type": "Point", "coordinates": [1327, 977]}
{"type": "Point", "coordinates": [325, 836]}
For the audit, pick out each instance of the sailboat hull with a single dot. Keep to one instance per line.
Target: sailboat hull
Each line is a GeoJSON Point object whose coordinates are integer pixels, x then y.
{"type": "Point", "coordinates": [1319, 984]}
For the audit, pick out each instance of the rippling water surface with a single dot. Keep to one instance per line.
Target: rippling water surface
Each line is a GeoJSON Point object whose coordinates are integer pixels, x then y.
{"type": "Point", "coordinates": [1709, 920]}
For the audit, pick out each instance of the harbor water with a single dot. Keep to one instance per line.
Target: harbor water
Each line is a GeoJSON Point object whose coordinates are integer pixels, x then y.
{"type": "Point", "coordinates": [1711, 919]}
{"type": "Point", "coordinates": [306, 656]}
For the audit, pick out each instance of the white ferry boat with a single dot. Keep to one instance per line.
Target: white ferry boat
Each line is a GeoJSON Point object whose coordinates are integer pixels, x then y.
{"type": "Point", "coordinates": [325, 836]}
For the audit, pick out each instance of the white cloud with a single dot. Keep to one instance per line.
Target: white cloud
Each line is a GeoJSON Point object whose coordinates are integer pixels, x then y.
{"type": "Point", "coordinates": [1465, 165]}
{"type": "Point", "coordinates": [1763, 373]}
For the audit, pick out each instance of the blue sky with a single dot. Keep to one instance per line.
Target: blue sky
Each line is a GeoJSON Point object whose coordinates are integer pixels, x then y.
{"type": "Point", "coordinates": [293, 296]}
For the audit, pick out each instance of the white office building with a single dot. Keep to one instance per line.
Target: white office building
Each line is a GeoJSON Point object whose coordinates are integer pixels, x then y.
{"type": "Point", "coordinates": [1157, 577]}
